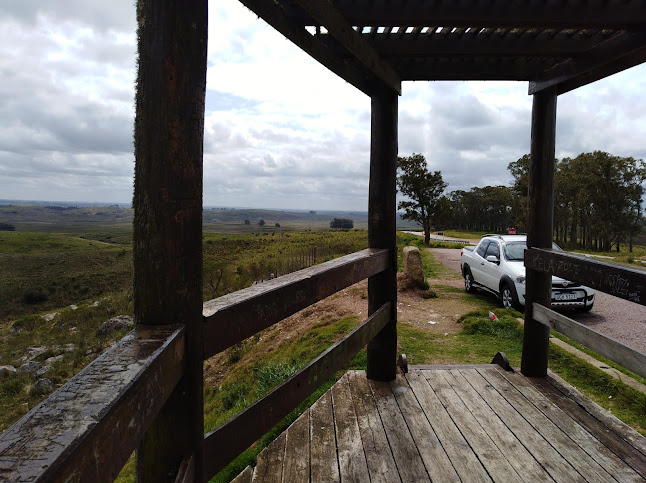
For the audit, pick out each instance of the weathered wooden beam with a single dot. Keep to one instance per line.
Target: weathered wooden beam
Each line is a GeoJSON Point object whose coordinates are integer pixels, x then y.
{"type": "Point", "coordinates": [382, 287]}
{"type": "Point", "coordinates": [619, 280]}
{"type": "Point", "coordinates": [539, 230]}
{"type": "Point", "coordinates": [231, 438]}
{"type": "Point", "coordinates": [167, 235]}
{"type": "Point", "coordinates": [280, 18]}
{"type": "Point", "coordinates": [234, 317]}
{"type": "Point", "coordinates": [614, 350]}
{"type": "Point", "coordinates": [412, 69]}
{"type": "Point", "coordinates": [87, 429]}
{"type": "Point", "coordinates": [324, 13]}
{"type": "Point", "coordinates": [409, 45]}
{"type": "Point", "coordinates": [618, 53]}
{"type": "Point", "coordinates": [496, 13]}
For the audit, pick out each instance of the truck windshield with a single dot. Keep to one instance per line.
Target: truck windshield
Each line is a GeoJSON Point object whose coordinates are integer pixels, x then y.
{"type": "Point", "coordinates": [515, 251]}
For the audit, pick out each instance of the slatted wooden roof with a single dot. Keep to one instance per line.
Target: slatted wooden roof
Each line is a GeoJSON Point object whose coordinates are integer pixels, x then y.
{"type": "Point", "coordinates": [550, 43]}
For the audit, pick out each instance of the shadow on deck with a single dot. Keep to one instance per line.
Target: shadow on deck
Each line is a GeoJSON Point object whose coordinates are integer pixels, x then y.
{"type": "Point", "coordinates": [452, 423]}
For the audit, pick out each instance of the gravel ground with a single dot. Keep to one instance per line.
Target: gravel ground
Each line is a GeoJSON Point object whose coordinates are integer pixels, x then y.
{"type": "Point", "coordinates": [614, 317]}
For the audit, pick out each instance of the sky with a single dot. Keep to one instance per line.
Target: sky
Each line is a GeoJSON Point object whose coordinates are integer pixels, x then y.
{"type": "Point", "coordinates": [281, 131]}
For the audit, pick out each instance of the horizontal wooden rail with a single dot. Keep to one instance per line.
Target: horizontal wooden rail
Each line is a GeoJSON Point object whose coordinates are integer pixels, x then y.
{"type": "Point", "coordinates": [230, 439]}
{"type": "Point", "coordinates": [87, 429]}
{"type": "Point", "coordinates": [234, 317]}
{"type": "Point", "coordinates": [621, 281]}
{"type": "Point", "coordinates": [625, 356]}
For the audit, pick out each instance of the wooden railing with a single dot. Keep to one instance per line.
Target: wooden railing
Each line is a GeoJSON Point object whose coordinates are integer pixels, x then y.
{"type": "Point", "coordinates": [618, 280]}
{"type": "Point", "coordinates": [87, 429]}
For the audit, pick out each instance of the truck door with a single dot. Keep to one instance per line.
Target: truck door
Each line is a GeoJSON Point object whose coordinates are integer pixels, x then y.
{"type": "Point", "coordinates": [491, 271]}
{"type": "Point", "coordinates": [479, 261]}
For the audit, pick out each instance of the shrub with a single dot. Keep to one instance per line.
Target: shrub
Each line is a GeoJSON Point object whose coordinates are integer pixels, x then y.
{"type": "Point", "coordinates": [247, 222]}
{"type": "Point", "coordinates": [234, 395]}
{"type": "Point", "coordinates": [342, 223]}
{"type": "Point", "coordinates": [7, 227]}
{"type": "Point", "coordinates": [34, 296]}
{"type": "Point", "coordinates": [261, 222]}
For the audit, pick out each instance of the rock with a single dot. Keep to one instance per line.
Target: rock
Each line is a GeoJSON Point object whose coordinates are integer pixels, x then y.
{"type": "Point", "coordinates": [34, 352]}
{"type": "Point", "coordinates": [53, 360]}
{"type": "Point", "coordinates": [43, 370]}
{"type": "Point", "coordinates": [42, 386]}
{"type": "Point", "coordinates": [7, 370]}
{"type": "Point", "coordinates": [114, 324]}
{"type": "Point", "coordinates": [413, 265]}
{"type": "Point", "coordinates": [73, 307]}
{"type": "Point", "coordinates": [96, 303]}
{"type": "Point", "coordinates": [31, 366]}
{"type": "Point", "coordinates": [49, 317]}
{"type": "Point", "coordinates": [65, 348]}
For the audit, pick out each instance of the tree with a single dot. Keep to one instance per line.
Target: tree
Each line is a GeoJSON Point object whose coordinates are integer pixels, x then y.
{"type": "Point", "coordinates": [423, 189]}
{"type": "Point", "coordinates": [7, 227]}
{"type": "Point", "coordinates": [247, 222]}
{"type": "Point", "coordinates": [261, 222]}
{"type": "Point", "coordinates": [342, 223]}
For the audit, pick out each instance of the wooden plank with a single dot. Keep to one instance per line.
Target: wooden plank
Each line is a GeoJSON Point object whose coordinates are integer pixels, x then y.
{"type": "Point", "coordinates": [626, 432]}
{"type": "Point", "coordinates": [475, 13]}
{"type": "Point", "coordinates": [296, 467]}
{"type": "Point", "coordinates": [236, 316]}
{"type": "Point", "coordinates": [553, 433]}
{"type": "Point", "coordinates": [602, 455]}
{"type": "Point", "coordinates": [625, 282]}
{"type": "Point", "coordinates": [89, 427]}
{"type": "Point", "coordinates": [352, 461]}
{"type": "Point", "coordinates": [437, 463]}
{"type": "Point", "coordinates": [519, 458]}
{"type": "Point", "coordinates": [609, 438]}
{"type": "Point", "coordinates": [245, 477]}
{"type": "Point", "coordinates": [323, 12]}
{"type": "Point", "coordinates": [558, 467]}
{"type": "Point", "coordinates": [457, 448]}
{"type": "Point", "coordinates": [379, 458]}
{"type": "Point", "coordinates": [324, 466]}
{"type": "Point", "coordinates": [232, 437]}
{"type": "Point", "coordinates": [382, 215]}
{"type": "Point", "coordinates": [613, 55]}
{"type": "Point", "coordinates": [614, 350]}
{"type": "Point", "coordinates": [539, 230]}
{"type": "Point", "coordinates": [269, 464]}
{"type": "Point", "coordinates": [408, 460]}
{"type": "Point", "coordinates": [460, 68]}
{"type": "Point", "coordinates": [483, 446]}
{"type": "Point", "coordinates": [280, 18]}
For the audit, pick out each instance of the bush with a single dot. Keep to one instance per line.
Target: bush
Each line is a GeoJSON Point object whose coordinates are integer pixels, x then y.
{"type": "Point", "coordinates": [34, 296]}
{"type": "Point", "coordinates": [261, 222]}
{"type": "Point", "coordinates": [7, 227]}
{"type": "Point", "coordinates": [277, 225]}
{"type": "Point", "coordinates": [342, 223]}
{"type": "Point", "coordinates": [247, 222]}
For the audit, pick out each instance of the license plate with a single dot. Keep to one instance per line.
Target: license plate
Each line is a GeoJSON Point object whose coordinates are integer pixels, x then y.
{"type": "Point", "coordinates": [565, 296]}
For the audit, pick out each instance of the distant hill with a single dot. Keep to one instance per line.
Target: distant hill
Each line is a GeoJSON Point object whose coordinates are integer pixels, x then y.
{"type": "Point", "coordinates": [27, 217]}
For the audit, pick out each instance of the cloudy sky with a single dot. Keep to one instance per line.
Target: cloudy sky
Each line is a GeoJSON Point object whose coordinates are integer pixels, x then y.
{"type": "Point", "coordinates": [281, 131]}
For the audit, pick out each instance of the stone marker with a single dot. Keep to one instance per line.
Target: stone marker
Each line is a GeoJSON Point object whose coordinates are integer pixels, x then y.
{"type": "Point", "coordinates": [413, 265]}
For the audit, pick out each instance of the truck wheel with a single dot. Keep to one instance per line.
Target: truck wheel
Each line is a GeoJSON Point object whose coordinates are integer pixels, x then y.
{"type": "Point", "coordinates": [468, 282]}
{"type": "Point", "coordinates": [508, 297]}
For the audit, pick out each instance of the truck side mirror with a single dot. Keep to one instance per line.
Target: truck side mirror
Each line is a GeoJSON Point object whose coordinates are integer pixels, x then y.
{"type": "Point", "coordinates": [493, 259]}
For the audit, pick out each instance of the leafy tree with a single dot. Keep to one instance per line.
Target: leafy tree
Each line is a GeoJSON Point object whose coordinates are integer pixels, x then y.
{"type": "Point", "coordinates": [423, 190]}
{"type": "Point", "coordinates": [342, 223]}
{"type": "Point", "coordinates": [277, 225]}
{"type": "Point", "coordinates": [247, 222]}
{"type": "Point", "coordinates": [261, 222]}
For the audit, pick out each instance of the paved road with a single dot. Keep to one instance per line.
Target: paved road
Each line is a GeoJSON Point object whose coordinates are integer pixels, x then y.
{"type": "Point", "coordinates": [617, 318]}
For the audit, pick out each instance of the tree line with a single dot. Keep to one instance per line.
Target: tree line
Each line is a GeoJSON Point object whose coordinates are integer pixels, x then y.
{"type": "Point", "coordinates": [597, 200]}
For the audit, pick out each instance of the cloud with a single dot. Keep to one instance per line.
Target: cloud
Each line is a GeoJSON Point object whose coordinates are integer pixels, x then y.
{"type": "Point", "coordinates": [280, 129]}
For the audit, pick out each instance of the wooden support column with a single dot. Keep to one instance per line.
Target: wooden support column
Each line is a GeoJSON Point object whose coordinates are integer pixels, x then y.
{"type": "Point", "coordinates": [169, 132]}
{"type": "Point", "coordinates": [540, 222]}
{"type": "Point", "coordinates": [382, 350]}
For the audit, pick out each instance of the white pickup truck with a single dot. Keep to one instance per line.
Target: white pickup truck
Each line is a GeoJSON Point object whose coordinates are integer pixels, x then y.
{"type": "Point", "coordinates": [496, 266]}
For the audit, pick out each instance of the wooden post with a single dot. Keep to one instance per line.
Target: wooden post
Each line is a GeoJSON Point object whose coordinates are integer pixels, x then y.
{"type": "Point", "coordinates": [169, 131]}
{"type": "Point", "coordinates": [382, 350]}
{"type": "Point", "coordinates": [540, 222]}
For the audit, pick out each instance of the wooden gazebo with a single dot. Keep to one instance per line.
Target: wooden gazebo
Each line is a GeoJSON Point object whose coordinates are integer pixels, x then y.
{"type": "Point", "coordinates": [146, 392]}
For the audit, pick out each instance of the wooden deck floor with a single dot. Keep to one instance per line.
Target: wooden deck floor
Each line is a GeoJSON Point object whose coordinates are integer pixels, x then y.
{"type": "Point", "coordinates": [459, 423]}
